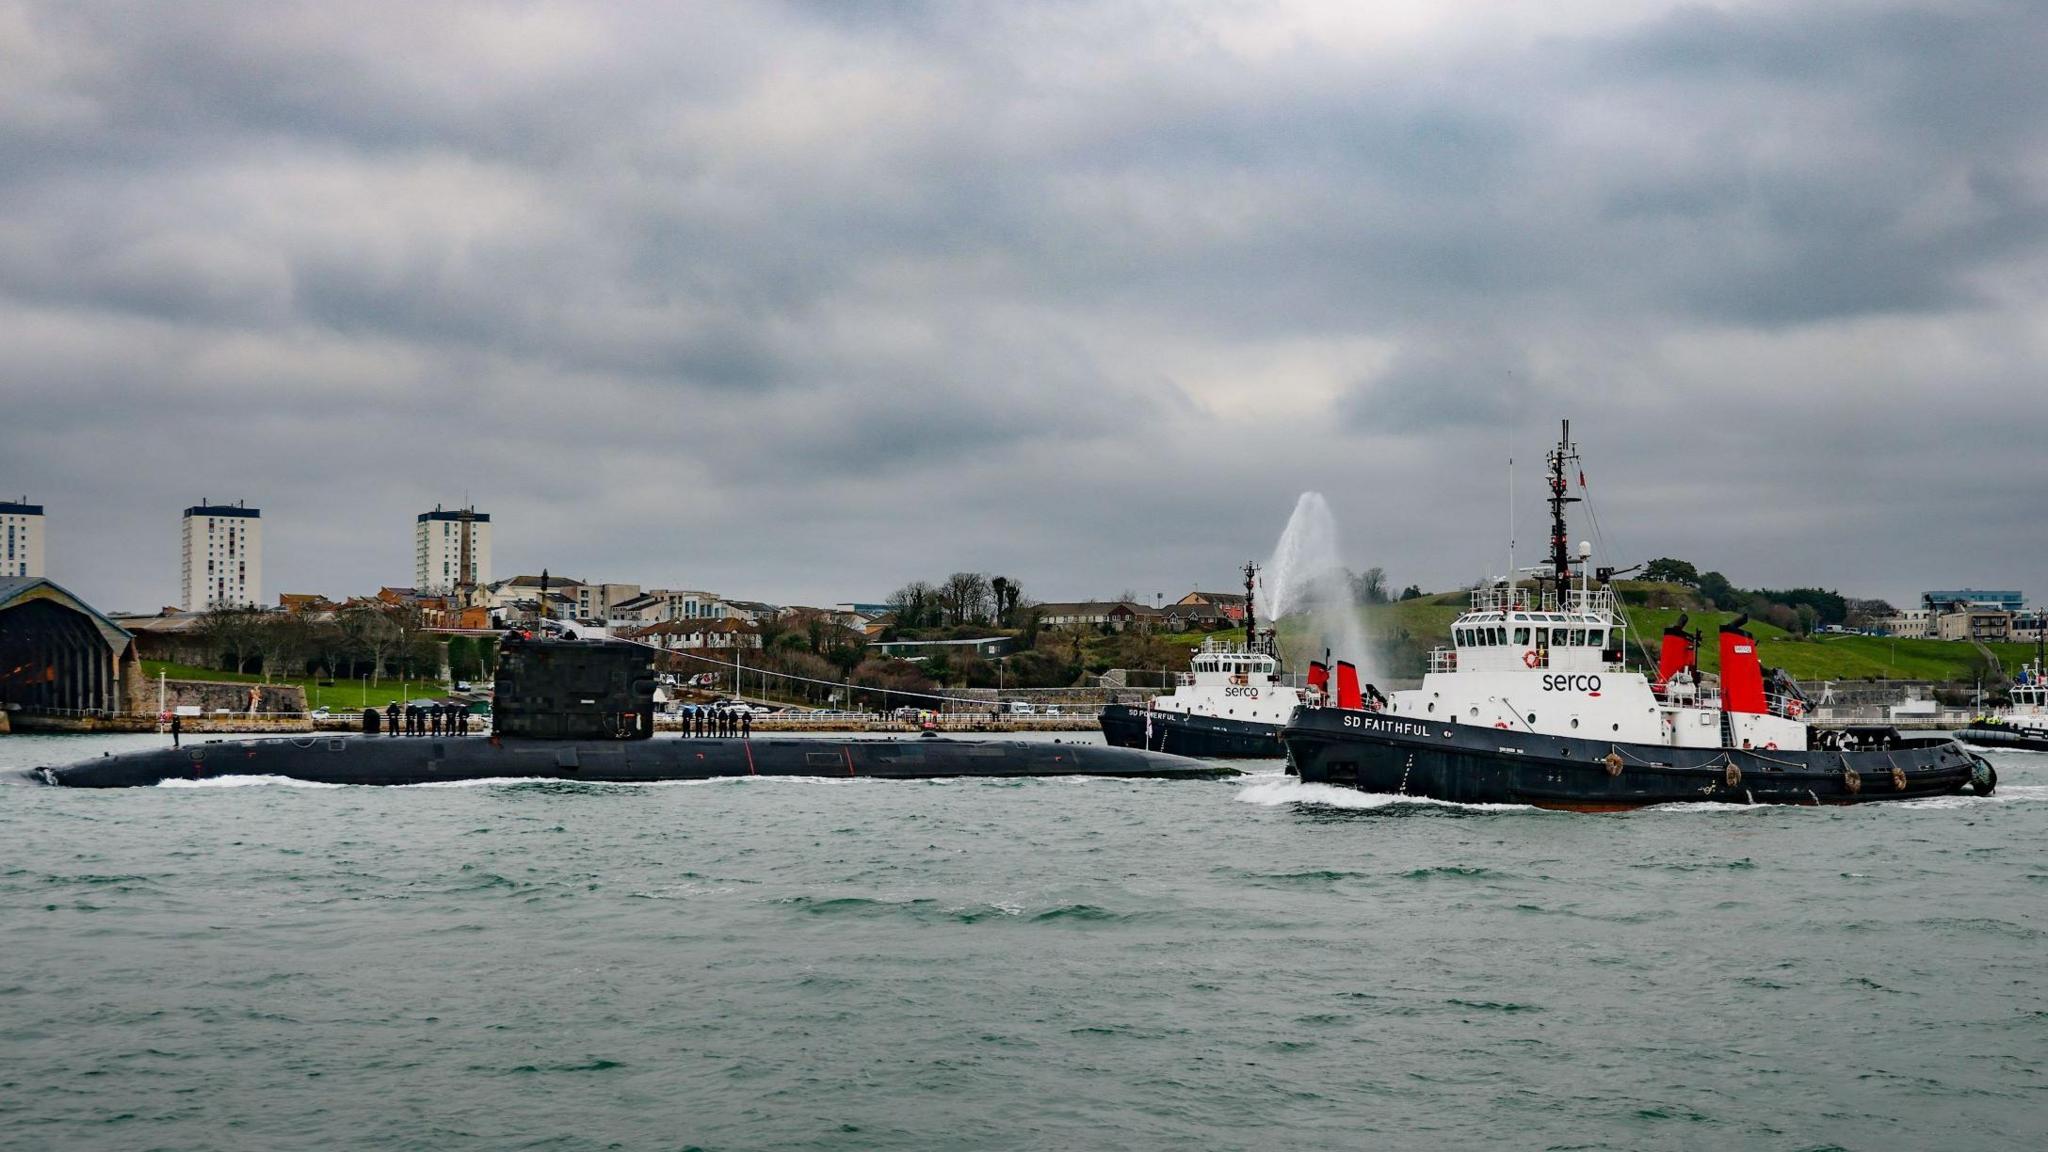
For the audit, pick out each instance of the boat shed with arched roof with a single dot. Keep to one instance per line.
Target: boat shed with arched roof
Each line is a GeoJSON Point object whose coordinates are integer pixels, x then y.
{"type": "Point", "coordinates": [59, 656]}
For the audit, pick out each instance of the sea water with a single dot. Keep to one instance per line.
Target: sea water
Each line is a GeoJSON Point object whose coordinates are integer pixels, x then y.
{"type": "Point", "coordinates": [1023, 964]}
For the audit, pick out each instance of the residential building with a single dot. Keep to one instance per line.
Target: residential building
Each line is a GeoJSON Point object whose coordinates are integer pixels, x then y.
{"type": "Point", "coordinates": [660, 605]}
{"type": "Point", "coordinates": [1199, 607]}
{"type": "Point", "coordinates": [518, 598]}
{"type": "Point", "coordinates": [1980, 624]}
{"type": "Point", "coordinates": [1909, 623]}
{"type": "Point", "coordinates": [594, 601]}
{"type": "Point", "coordinates": [223, 557]}
{"type": "Point", "coordinates": [1116, 615]}
{"type": "Point", "coordinates": [2027, 626]}
{"type": "Point", "coordinates": [699, 635]}
{"type": "Point", "coordinates": [21, 554]}
{"type": "Point", "coordinates": [451, 549]}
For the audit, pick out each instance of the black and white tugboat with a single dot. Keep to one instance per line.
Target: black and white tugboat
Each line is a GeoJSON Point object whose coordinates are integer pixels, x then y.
{"type": "Point", "coordinates": [1228, 705]}
{"type": "Point", "coordinates": [2023, 724]}
{"type": "Point", "coordinates": [1533, 704]}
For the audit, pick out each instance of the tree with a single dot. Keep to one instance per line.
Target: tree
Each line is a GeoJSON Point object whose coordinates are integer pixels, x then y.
{"type": "Point", "coordinates": [1370, 586]}
{"type": "Point", "coordinates": [965, 597]}
{"type": "Point", "coordinates": [1666, 570]}
{"type": "Point", "coordinates": [281, 637]}
{"type": "Point", "coordinates": [1716, 590]}
{"type": "Point", "coordinates": [1412, 592]}
{"type": "Point", "coordinates": [915, 605]}
{"type": "Point", "coordinates": [1007, 593]}
{"type": "Point", "coordinates": [1868, 613]}
{"type": "Point", "coordinates": [230, 635]}
{"type": "Point", "coordinates": [374, 634]}
{"type": "Point", "coordinates": [462, 658]}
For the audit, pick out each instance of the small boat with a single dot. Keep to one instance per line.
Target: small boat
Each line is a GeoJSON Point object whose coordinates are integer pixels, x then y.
{"type": "Point", "coordinates": [1229, 705]}
{"type": "Point", "coordinates": [1533, 703]}
{"type": "Point", "coordinates": [2023, 724]}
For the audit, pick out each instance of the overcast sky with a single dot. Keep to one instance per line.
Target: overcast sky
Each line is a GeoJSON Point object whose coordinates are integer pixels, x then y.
{"type": "Point", "coordinates": [800, 301]}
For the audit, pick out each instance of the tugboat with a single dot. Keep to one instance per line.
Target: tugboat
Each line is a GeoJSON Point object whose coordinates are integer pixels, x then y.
{"type": "Point", "coordinates": [2023, 724]}
{"type": "Point", "coordinates": [1229, 705]}
{"type": "Point", "coordinates": [584, 710]}
{"type": "Point", "coordinates": [1533, 704]}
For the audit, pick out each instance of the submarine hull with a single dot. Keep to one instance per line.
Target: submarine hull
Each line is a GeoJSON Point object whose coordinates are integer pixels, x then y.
{"type": "Point", "coordinates": [379, 760]}
{"type": "Point", "coordinates": [2005, 736]}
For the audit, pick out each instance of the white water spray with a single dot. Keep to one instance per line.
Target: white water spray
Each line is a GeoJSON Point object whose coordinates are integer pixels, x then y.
{"type": "Point", "coordinates": [1307, 575]}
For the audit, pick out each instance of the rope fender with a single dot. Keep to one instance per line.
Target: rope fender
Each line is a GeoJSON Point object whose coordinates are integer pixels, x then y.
{"type": "Point", "coordinates": [1734, 775]}
{"type": "Point", "coordinates": [1851, 780]}
{"type": "Point", "coordinates": [1613, 763]}
{"type": "Point", "coordinates": [1898, 778]}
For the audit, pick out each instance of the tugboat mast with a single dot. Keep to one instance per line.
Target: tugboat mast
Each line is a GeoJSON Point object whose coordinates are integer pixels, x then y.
{"type": "Point", "coordinates": [1251, 624]}
{"type": "Point", "coordinates": [1561, 558]}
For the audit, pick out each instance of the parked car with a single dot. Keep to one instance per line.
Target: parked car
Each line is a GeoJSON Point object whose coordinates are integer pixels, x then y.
{"type": "Point", "coordinates": [320, 713]}
{"type": "Point", "coordinates": [1052, 710]}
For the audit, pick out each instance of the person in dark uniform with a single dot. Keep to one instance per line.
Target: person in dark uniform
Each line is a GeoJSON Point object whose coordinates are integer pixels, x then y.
{"type": "Point", "coordinates": [177, 728]}
{"type": "Point", "coordinates": [391, 719]}
{"type": "Point", "coordinates": [746, 725]}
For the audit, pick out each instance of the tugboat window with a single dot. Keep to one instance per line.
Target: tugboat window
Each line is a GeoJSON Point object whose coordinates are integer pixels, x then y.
{"type": "Point", "coordinates": [1532, 717]}
{"type": "Point", "coordinates": [1521, 637]}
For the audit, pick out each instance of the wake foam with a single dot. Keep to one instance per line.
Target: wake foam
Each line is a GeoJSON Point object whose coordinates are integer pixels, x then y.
{"type": "Point", "coordinates": [245, 782]}
{"type": "Point", "coordinates": [1274, 791]}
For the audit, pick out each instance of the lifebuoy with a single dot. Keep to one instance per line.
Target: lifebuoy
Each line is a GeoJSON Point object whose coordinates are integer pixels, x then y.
{"type": "Point", "coordinates": [1531, 658]}
{"type": "Point", "coordinates": [1500, 723]}
{"type": "Point", "coordinates": [1771, 744]}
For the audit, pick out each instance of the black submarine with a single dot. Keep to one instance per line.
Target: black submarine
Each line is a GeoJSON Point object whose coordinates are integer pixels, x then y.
{"type": "Point", "coordinates": [584, 710]}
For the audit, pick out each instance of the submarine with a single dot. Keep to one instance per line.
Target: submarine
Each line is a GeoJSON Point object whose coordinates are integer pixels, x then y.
{"type": "Point", "coordinates": [584, 710]}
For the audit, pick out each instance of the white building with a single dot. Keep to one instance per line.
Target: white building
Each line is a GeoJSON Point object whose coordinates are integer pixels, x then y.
{"type": "Point", "coordinates": [223, 557]}
{"type": "Point", "coordinates": [451, 549]}
{"type": "Point", "coordinates": [660, 605]}
{"type": "Point", "coordinates": [21, 538]}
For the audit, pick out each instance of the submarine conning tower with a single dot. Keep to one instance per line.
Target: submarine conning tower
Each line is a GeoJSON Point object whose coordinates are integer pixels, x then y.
{"type": "Point", "coordinates": [550, 689]}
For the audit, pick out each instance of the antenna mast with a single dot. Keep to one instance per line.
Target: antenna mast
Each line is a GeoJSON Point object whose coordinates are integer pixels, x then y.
{"type": "Point", "coordinates": [1561, 558]}
{"type": "Point", "coordinates": [1251, 626]}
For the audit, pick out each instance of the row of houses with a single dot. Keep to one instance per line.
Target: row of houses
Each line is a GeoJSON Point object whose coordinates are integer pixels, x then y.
{"type": "Point", "coordinates": [1196, 610]}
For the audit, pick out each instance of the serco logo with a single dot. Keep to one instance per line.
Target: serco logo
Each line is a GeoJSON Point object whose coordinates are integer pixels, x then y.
{"type": "Point", "coordinates": [1249, 693]}
{"type": "Point", "coordinates": [1568, 682]}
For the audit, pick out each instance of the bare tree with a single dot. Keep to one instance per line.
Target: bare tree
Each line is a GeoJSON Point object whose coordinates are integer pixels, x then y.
{"type": "Point", "coordinates": [373, 633]}
{"type": "Point", "coordinates": [914, 604]}
{"type": "Point", "coordinates": [230, 635]}
{"type": "Point", "coordinates": [279, 638]}
{"type": "Point", "coordinates": [965, 596]}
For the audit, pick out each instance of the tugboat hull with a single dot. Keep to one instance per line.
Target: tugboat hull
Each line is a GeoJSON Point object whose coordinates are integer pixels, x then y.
{"type": "Point", "coordinates": [1202, 737]}
{"type": "Point", "coordinates": [1374, 752]}
{"type": "Point", "coordinates": [426, 760]}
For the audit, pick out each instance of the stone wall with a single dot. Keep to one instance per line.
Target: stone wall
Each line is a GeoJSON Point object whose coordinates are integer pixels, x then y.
{"type": "Point", "coordinates": [215, 695]}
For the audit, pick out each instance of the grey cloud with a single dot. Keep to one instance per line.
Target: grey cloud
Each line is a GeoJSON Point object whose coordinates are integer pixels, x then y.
{"type": "Point", "coordinates": [736, 294]}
